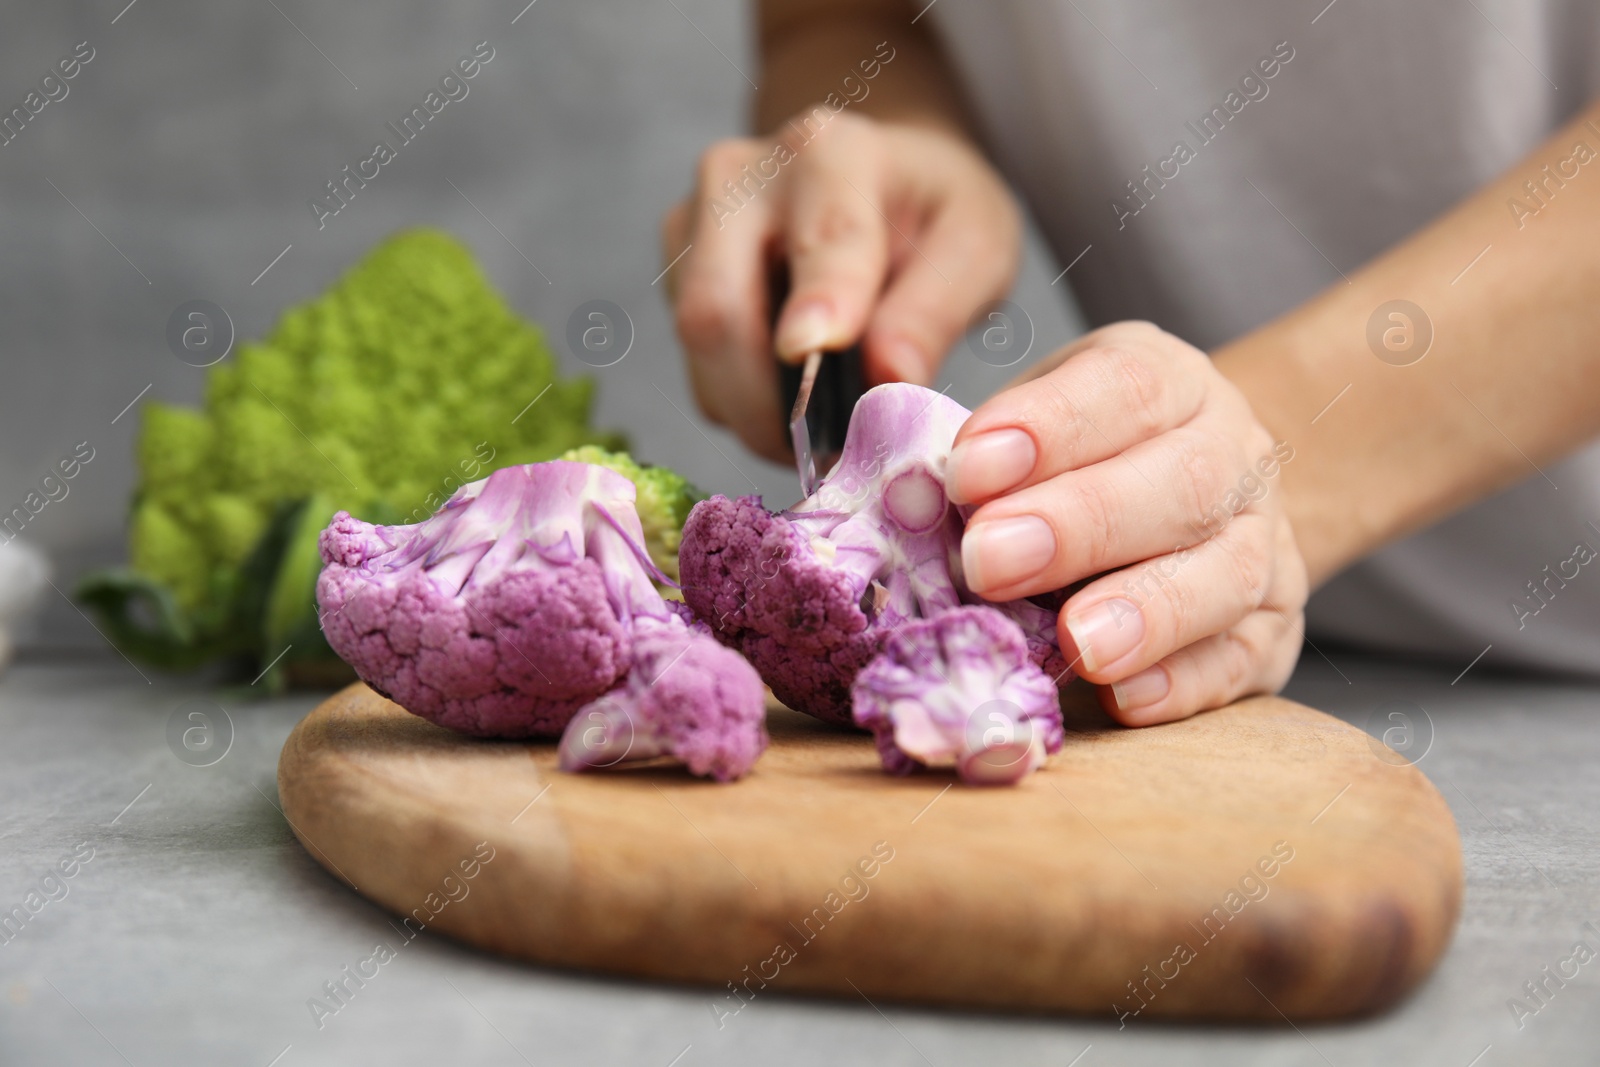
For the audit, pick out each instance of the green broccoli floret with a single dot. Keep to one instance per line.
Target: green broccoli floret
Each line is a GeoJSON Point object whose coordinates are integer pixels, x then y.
{"type": "Point", "coordinates": [665, 498]}
{"type": "Point", "coordinates": [406, 379]}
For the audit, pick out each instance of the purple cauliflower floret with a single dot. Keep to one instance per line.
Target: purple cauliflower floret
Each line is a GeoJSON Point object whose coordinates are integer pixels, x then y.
{"type": "Point", "coordinates": [809, 595]}
{"type": "Point", "coordinates": [686, 696]}
{"type": "Point", "coordinates": [528, 596]}
{"type": "Point", "coordinates": [960, 689]}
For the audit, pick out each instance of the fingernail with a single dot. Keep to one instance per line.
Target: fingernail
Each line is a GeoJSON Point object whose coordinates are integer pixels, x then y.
{"type": "Point", "coordinates": [1142, 689]}
{"type": "Point", "coordinates": [805, 328]}
{"type": "Point", "coordinates": [1006, 551]}
{"type": "Point", "coordinates": [1105, 632]}
{"type": "Point", "coordinates": [990, 463]}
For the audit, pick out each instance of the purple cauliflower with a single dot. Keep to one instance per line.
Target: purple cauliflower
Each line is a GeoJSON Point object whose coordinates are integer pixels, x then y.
{"type": "Point", "coordinates": [687, 697]}
{"type": "Point", "coordinates": [526, 597]}
{"type": "Point", "coordinates": [809, 595]}
{"type": "Point", "coordinates": [959, 689]}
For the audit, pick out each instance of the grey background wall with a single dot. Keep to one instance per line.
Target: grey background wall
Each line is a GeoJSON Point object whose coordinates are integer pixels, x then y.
{"type": "Point", "coordinates": [180, 164]}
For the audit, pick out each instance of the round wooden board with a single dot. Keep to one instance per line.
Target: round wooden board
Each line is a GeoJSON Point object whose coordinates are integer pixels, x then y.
{"type": "Point", "coordinates": [1257, 862]}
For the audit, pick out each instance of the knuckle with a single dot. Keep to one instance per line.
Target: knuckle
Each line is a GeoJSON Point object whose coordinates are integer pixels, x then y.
{"type": "Point", "coordinates": [837, 222]}
{"type": "Point", "coordinates": [1202, 481]}
{"type": "Point", "coordinates": [1046, 370]}
{"type": "Point", "coordinates": [854, 124]}
{"type": "Point", "coordinates": [854, 131]}
{"type": "Point", "coordinates": [1094, 511]}
{"type": "Point", "coordinates": [1183, 610]}
{"type": "Point", "coordinates": [1136, 328]}
{"type": "Point", "coordinates": [845, 141]}
{"type": "Point", "coordinates": [1124, 328]}
{"type": "Point", "coordinates": [720, 162]}
{"type": "Point", "coordinates": [1142, 390]}
{"type": "Point", "coordinates": [1250, 562]}
{"type": "Point", "coordinates": [1041, 405]}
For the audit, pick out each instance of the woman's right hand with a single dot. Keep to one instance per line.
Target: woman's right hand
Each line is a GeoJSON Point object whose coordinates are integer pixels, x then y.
{"type": "Point", "coordinates": [896, 235]}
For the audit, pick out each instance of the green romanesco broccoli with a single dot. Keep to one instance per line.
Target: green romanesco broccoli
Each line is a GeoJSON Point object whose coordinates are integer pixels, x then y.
{"type": "Point", "coordinates": [406, 379]}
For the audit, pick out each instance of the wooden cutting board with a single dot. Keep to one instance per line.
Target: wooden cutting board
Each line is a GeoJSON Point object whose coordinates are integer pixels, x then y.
{"type": "Point", "coordinates": [1257, 862]}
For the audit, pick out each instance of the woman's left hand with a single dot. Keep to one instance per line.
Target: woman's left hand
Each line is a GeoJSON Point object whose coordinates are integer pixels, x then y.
{"type": "Point", "coordinates": [1129, 459]}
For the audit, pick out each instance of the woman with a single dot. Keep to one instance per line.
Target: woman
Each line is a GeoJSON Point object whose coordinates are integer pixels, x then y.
{"type": "Point", "coordinates": [1382, 225]}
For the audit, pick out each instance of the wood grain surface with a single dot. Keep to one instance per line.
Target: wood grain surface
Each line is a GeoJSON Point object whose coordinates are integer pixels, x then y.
{"type": "Point", "coordinates": [1264, 861]}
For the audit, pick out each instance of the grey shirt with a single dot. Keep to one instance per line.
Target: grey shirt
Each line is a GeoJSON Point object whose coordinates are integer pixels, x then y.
{"type": "Point", "coordinates": [1216, 164]}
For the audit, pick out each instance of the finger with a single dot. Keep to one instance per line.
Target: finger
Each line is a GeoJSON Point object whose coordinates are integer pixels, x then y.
{"type": "Point", "coordinates": [1256, 656]}
{"type": "Point", "coordinates": [1173, 492]}
{"type": "Point", "coordinates": [1128, 385]}
{"type": "Point", "coordinates": [836, 239]}
{"type": "Point", "coordinates": [964, 258]}
{"type": "Point", "coordinates": [1123, 622]}
{"type": "Point", "coordinates": [674, 241]}
{"type": "Point", "coordinates": [721, 307]}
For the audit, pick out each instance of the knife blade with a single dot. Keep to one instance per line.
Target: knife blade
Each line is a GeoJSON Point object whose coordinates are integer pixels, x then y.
{"type": "Point", "coordinates": [819, 396]}
{"type": "Point", "coordinates": [799, 430]}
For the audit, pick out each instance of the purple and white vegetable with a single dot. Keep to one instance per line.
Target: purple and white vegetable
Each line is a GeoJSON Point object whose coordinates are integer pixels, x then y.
{"type": "Point", "coordinates": [960, 690]}
{"type": "Point", "coordinates": [811, 594]}
{"type": "Point", "coordinates": [526, 598]}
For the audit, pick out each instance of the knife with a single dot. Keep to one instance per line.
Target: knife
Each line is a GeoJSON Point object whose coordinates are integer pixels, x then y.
{"type": "Point", "coordinates": [819, 396]}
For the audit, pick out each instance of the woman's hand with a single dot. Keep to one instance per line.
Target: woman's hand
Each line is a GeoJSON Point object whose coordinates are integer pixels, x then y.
{"type": "Point", "coordinates": [895, 235]}
{"type": "Point", "coordinates": [1129, 460]}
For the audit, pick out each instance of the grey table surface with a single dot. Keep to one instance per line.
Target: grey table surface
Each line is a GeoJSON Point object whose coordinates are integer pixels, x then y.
{"type": "Point", "coordinates": [200, 928]}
